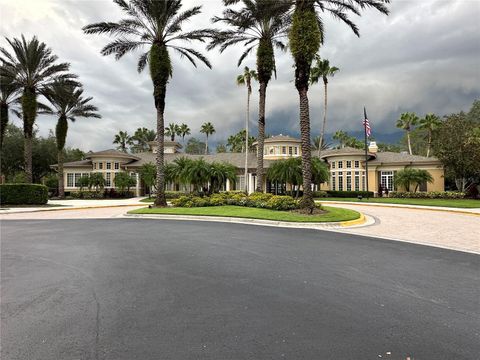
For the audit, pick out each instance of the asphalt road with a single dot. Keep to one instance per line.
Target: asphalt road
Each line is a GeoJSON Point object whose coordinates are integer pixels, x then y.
{"type": "Point", "coordinates": [145, 289]}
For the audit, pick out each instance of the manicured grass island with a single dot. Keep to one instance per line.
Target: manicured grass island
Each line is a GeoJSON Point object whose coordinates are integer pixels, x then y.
{"type": "Point", "coordinates": [454, 203]}
{"type": "Point", "coordinates": [331, 214]}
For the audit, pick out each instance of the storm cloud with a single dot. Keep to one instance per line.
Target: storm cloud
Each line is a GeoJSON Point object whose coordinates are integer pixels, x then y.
{"type": "Point", "coordinates": [424, 57]}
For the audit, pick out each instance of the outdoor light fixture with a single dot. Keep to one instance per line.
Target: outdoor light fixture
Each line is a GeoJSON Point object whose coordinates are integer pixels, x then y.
{"type": "Point", "coordinates": [359, 197]}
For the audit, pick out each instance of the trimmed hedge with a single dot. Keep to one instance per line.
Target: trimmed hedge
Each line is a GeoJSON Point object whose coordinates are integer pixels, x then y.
{"type": "Point", "coordinates": [427, 195]}
{"type": "Point", "coordinates": [258, 200]}
{"type": "Point", "coordinates": [349, 194]}
{"type": "Point", "coordinates": [23, 194]}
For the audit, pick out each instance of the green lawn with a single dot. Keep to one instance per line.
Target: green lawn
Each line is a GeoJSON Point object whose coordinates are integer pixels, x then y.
{"type": "Point", "coordinates": [332, 214]}
{"type": "Point", "coordinates": [456, 203]}
{"type": "Point", "coordinates": [147, 200]}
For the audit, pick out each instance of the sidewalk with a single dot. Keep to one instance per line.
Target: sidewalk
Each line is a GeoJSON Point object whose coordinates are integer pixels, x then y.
{"type": "Point", "coordinates": [55, 205]}
{"type": "Point", "coordinates": [421, 207]}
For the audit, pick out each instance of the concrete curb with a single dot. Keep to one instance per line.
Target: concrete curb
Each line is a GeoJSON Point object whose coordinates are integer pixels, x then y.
{"type": "Point", "coordinates": [401, 206]}
{"type": "Point", "coordinates": [71, 208]}
{"type": "Point", "coordinates": [362, 221]}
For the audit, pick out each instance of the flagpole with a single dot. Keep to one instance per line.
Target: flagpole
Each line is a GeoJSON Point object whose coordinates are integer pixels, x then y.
{"type": "Point", "coordinates": [366, 148]}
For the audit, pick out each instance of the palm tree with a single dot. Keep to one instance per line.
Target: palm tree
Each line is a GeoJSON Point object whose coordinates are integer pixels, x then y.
{"type": "Point", "coordinates": [246, 79]}
{"type": "Point", "coordinates": [406, 122]}
{"type": "Point", "coordinates": [33, 68]}
{"type": "Point", "coordinates": [142, 137]}
{"type": "Point", "coordinates": [158, 25]}
{"type": "Point", "coordinates": [306, 34]}
{"type": "Point", "coordinates": [322, 70]}
{"type": "Point", "coordinates": [172, 130]}
{"type": "Point", "coordinates": [317, 140]}
{"type": "Point", "coordinates": [429, 123]}
{"type": "Point", "coordinates": [408, 176]}
{"type": "Point", "coordinates": [259, 24]}
{"type": "Point", "coordinates": [123, 140]}
{"type": "Point", "coordinates": [184, 131]}
{"type": "Point", "coordinates": [7, 96]}
{"type": "Point", "coordinates": [207, 129]}
{"type": "Point", "coordinates": [68, 103]}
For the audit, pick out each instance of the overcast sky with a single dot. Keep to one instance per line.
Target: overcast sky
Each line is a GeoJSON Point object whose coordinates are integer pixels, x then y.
{"type": "Point", "coordinates": [424, 57]}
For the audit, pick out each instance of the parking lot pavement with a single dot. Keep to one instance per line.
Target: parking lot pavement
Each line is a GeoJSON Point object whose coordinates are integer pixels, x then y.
{"type": "Point", "coordinates": [430, 227]}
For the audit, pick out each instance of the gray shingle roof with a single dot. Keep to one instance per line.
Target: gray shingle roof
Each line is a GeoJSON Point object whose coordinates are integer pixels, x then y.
{"type": "Point", "coordinates": [236, 159]}
{"type": "Point", "coordinates": [393, 157]}
{"type": "Point", "coordinates": [111, 152]}
{"type": "Point", "coordinates": [80, 163]}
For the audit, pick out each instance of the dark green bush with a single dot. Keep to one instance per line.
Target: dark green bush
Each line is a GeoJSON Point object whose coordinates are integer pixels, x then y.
{"type": "Point", "coordinates": [23, 194]}
{"type": "Point", "coordinates": [320, 194]}
{"type": "Point", "coordinates": [349, 194]}
{"type": "Point", "coordinates": [427, 195]}
{"type": "Point", "coordinates": [87, 195]}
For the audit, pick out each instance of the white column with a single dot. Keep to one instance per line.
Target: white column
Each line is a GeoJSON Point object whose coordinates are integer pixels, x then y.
{"type": "Point", "coordinates": [137, 186]}
{"type": "Point", "coordinates": [251, 185]}
{"type": "Point", "coordinates": [227, 185]}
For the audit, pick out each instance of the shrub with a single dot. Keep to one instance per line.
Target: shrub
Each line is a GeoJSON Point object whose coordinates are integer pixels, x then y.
{"type": "Point", "coordinates": [124, 182]}
{"type": "Point", "coordinates": [170, 195]}
{"type": "Point", "coordinates": [23, 194]}
{"type": "Point", "coordinates": [320, 194]}
{"type": "Point", "coordinates": [87, 195]}
{"type": "Point", "coordinates": [349, 194]}
{"type": "Point", "coordinates": [277, 202]}
{"type": "Point", "coordinates": [427, 195]}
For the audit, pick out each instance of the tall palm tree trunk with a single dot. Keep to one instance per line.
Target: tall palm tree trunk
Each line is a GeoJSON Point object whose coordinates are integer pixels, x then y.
{"type": "Point", "coordinates": [27, 155]}
{"type": "Point", "coordinates": [160, 158]}
{"type": "Point", "coordinates": [409, 143]}
{"type": "Point", "coordinates": [206, 146]}
{"type": "Point", "coordinates": [29, 109]}
{"type": "Point", "coordinates": [261, 135]}
{"type": "Point", "coordinates": [307, 200]}
{"type": "Point", "coordinates": [4, 121]}
{"type": "Point", "coordinates": [322, 135]}
{"type": "Point", "coordinates": [247, 120]}
{"type": "Point", "coordinates": [429, 142]}
{"type": "Point", "coordinates": [61, 180]}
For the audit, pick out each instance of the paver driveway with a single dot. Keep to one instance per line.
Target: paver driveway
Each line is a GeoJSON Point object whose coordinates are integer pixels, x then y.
{"type": "Point", "coordinates": [145, 289]}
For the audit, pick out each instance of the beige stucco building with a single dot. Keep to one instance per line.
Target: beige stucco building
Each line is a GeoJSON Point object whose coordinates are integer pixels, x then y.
{"type": "Point", "coordinates": [347, 166]}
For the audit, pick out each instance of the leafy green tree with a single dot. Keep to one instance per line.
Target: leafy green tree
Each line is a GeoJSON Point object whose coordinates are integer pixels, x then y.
{"type": "Point", "coordinates": [123, 140]}
{"type": "Point", "coordinates": [84, 182]}
{"type": "Point", "coordinates": [195, 147]}
{"type": "Point", "coordinates": [96, 181]}
{"type": "Point", "coordinates": [207, 129]}
{"type": "Point", "coordinates": [148, 174]}
{"type": "Point", "coordinates": [245, 79]}
{"type": "Point", "coordinates": [346, 140]}
{"type": "Point", "coordinates": [237, 143]}
{"type": "Point", "coordinates": [8, 92]}
{"type": "Point", "coordinates": [305, 37]}
{"type": "Point", "coordinates": [456, 143]}
{"type": "Point", "coordinates": [474, 114]}
{"type": "Point", "coordinates": [172, 130]}
{"type": "Point", "coordinates": [69, 104]}
{"type": "Point", "coordinates": [259, 24]}
{"type": "Point", "coordinates": [32, 67]}
{"type": "Point", "coordinates": [322, 70]}
{"type": "Point", "coordinates": [123, 181]}
{"type": "Point", "coordinates": [158, 25]}
{"type": "Point", "coordinates": [406, 122]}
{"type": "Point", "coordinates": [184, 131]}
{"type": "Point", "coordinates": [407, 177]}
{"type": "Point", "coordinates": [141, 138]}
{"type": "Point", "coordinates": [221, 148]}
{"type": "Point", "coordinates": [429, 123]}
{"type": "Point", "coordinates": [382, 147]}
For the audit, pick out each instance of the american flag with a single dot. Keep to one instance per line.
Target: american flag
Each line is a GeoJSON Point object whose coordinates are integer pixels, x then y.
{"type": "Point", "coordinates": [366, 124]}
